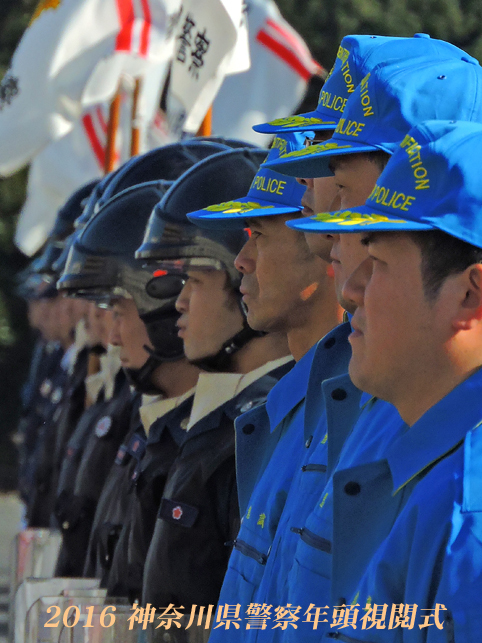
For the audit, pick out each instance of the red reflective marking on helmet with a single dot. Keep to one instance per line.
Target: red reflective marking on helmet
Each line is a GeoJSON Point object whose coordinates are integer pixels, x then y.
{"type": "Point", "coordinates": [159, 273]}
{"type": "Point", "coordinates": [248, 230]}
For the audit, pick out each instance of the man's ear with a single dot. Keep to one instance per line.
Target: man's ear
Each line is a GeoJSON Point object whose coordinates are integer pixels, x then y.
{"type": "Point", "coordinates": [469, 311]}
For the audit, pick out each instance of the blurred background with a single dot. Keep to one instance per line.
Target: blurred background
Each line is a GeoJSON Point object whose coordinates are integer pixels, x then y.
{"type": "Point", "coordinates": [322, 24]}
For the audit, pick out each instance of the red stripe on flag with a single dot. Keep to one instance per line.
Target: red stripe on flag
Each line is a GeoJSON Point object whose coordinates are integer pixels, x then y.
{"type": "Point", "coordinates": [125, 11]}
{"type": "Point", "coordinates": [283, 52]}
{"type": "Point", "coordinates": [101, 119]}
{"type": "Point", "coordinates": [289, 37]}
{"type": "Point", "coordinates": [95, 144]}
{"type": "Point", "coordinates": [146, 28]}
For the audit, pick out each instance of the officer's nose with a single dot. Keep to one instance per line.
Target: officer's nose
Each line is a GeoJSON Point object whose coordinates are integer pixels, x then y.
{"type": "Point", "coordinates": [354, 287]}
{"type": "Point", "coordinates": [182, 302]}
{"type": "Point", "coordinates": [114, 333]}
{"type": "Point", "coordinates": [245, 261]}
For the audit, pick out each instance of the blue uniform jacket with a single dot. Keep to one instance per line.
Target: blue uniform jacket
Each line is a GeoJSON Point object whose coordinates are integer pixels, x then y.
{"type": "Point", "coordinates": [419, 510]}
{"type": "Point", "coordinates": [317, 561]}
{"type": "Point", "coordinates": [283, 444]}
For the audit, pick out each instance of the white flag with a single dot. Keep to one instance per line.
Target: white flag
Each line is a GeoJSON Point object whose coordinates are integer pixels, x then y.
{"type": "Point", "coordinates": [274, 85]}
{"type": "Point", "coordinates": [56, 172]}
{"type": "Point", "coordinates": [78, 157]}
{"type": "Point", "coordinates": [71, 57]}
{"type": "Point", "coordinates": [211, 42]}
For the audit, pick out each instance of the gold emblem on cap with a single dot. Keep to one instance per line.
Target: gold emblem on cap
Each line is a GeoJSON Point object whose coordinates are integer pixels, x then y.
{"type": "Point", "coordinates": [299, 121]}
{"type": "Point", "coordinates": [237, 207]}
{"type": "Point", "coordinates": [315, 149]}
{"type": "Point", "coordinates": [353, 218]}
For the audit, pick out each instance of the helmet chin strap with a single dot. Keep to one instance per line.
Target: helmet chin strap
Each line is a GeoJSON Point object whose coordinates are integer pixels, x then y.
{"type": "Point", "coordinates": [168, 347]}
{"type": "Point", "coordinates": [140, 378]}
{"type": "Point", "coordinates": [162, 330]}
{"type": "Point", "coordinates": [222, 361]}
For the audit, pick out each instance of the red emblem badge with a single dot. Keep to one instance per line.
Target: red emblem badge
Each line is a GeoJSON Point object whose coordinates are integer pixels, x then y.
{"type": "Point", "coordinates": [177, 513]}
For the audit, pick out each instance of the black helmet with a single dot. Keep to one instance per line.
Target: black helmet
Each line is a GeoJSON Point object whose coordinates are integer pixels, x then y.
{"type": "Point", "coordinates": [233, 143]}
{"type": "Point", "coordinates": [91, 206]}
{"type": "Point", "coordinates": [101, 259]}
{"type": "Point", "coordinates": [63, 227]}
{"type": "Point", "coordinates": [165, 163]}
{"type": "Point", "coordinates": [31, 285]}
{"type": "Point", "coordinates": [171, 236]}
{"type": "Point", "coordinates": [172, 241]}
{"type": "Point", "coordinates": [101, 266]}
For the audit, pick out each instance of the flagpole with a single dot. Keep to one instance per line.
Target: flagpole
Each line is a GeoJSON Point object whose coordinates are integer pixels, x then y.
{"type": "Point", "coordinates": [112, 128]}
{"type": "Point", "coordinates": [135, 130]}
{"type": "Point", "coordinates": [206, 127]}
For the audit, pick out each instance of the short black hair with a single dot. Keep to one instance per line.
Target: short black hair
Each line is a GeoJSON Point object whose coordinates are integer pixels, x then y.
{"type": "Point", "coordinates": [379, 157]}
{"type": "Point", "coordinates": [442, 256]}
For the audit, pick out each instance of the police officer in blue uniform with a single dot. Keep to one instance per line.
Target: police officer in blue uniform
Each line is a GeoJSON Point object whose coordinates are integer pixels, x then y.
{"type": "Point", "coordinates": [342, 399]}
{"type": "Point", "coordinates": [416, 343]}
{"type": "Point", "coordinates": [286, 288]}
{"type": "Point", "coordinates": [405, 93]}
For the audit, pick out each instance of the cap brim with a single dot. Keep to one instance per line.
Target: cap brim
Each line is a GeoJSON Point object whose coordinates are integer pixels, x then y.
{"type": "Point", "coordinates": [297, 123]}
{"type": "Point", "coordinates": [362, 219]}
{"type": "Point", "coordinates": [236, 213]}
{"type": "Point", "coordinates": [313, 161]}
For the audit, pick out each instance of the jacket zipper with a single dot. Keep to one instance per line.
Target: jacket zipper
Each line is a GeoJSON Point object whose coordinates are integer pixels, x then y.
{"type": "Point", "coordinates": [247, 550]}
{"type": "Point", "coordinates": [312, 539]}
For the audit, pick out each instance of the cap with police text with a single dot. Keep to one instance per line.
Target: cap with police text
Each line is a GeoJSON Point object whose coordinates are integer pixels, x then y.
{"type": "Point", "coordinates": [356, 56]}
{"type": "Point", "coordinates": [270, 193]}
{"type": "Point", "coordinates": [432, 182]}
{"type": "Point", "coordinates": [388, 102]}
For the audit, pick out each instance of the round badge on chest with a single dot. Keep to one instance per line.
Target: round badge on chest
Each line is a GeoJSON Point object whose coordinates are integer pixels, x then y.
{"type": "Point", "coordinates": [102, 427]}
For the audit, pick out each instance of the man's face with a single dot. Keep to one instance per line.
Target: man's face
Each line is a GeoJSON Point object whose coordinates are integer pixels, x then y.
{"type": "Point", "coordinates": [68, 313]}
{"type": "Point", "coordinates": [282, 278]}
{"type": "Point", "coordinates": [355, 178]}
{"type": "Point", "coordinates": [397, 331]}
{"type": "Point", "coordinates": [98, 324]}
{"type": "Point", "coordinates": [47, 319]}
{"type": "Point", "coordinates": [318, 197]}
{"type": "Point", "coordinates": [210, 313]}
{"type": "Point", "coordinates": [128, 332]}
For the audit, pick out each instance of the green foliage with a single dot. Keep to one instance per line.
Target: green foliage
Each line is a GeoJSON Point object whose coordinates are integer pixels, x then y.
{"type": "Point", "coordinates": [15, 336]}
{"type": "Point", "coordinates": [323, 23]}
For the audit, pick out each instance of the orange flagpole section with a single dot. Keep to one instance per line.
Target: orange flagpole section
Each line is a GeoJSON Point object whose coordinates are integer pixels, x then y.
{"type": "Point", "coordinates": [135, 131]}
{"type": "Point", "coordinates": [206, 128]}
{"type": "Point", "coordinates": [112, 128]}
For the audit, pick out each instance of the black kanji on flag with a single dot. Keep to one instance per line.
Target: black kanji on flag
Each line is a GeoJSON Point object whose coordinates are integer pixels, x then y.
{"type": "Point", "coordinates": [8, 90]}
{"type": "Point", "coordinates": [185, 38]}
{"type": "Point", "coordinates": [202, 45]}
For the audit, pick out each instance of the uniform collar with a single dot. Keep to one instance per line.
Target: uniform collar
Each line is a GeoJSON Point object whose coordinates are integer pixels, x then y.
{"type": "Point", "coordinates": [441, 429]}
{"type": "Point", "coordinates": [215, 389]}
{"type": "Point", "coordinates": [156, 406]}
{"type": "Point", "coordinates": [290, 390]}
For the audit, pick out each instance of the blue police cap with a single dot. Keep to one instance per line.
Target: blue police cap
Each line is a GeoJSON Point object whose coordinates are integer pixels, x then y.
{"type": "Point", "coordinates": [387, 103]}
{"type": "Point", "coordinates": [356, 56]}
{"type": "Point", "coordinates": [432, 182]}
{"type": "Point", "coordinates": [270, 193]}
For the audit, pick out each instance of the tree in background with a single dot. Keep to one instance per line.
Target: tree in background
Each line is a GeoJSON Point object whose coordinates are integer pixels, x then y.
{"type": "Point", "coordinates": [15, 338]}
{"type": "Point", "coordinates": [322, 23]}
